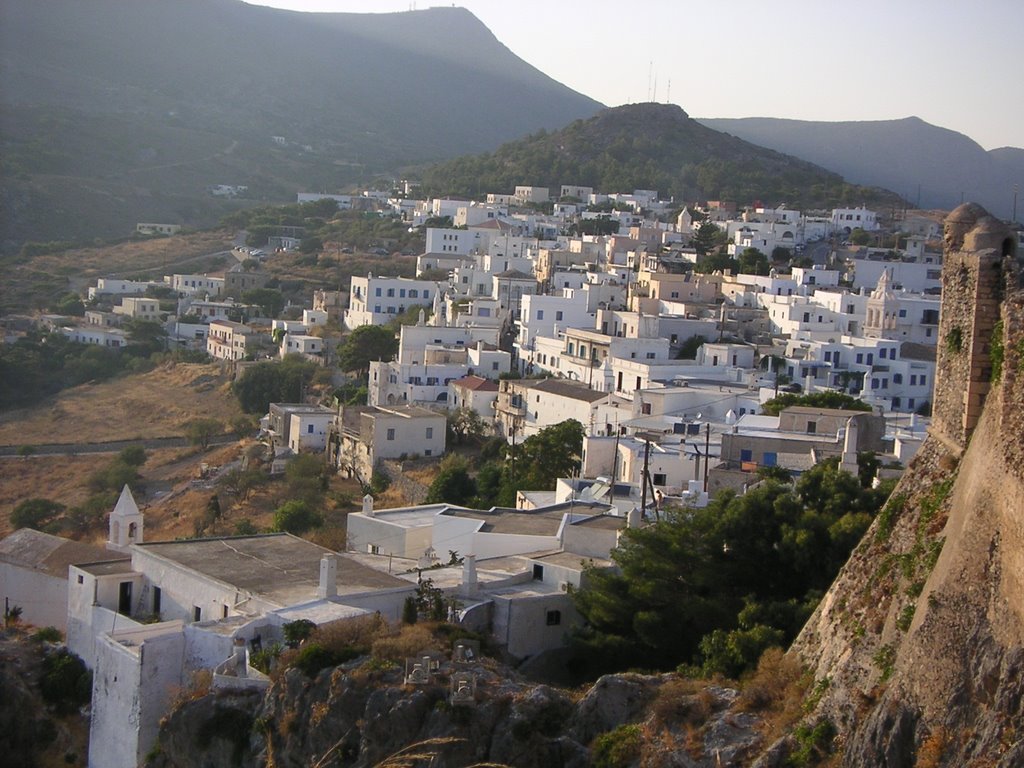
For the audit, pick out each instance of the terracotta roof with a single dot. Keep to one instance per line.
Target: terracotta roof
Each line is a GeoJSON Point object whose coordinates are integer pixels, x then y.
{"type": "Point", "coordinates": [476, 383]}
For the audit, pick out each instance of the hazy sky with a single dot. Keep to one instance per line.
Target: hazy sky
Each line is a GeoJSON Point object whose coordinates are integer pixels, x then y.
{"type": "Point", "coordinates": [958, 65]}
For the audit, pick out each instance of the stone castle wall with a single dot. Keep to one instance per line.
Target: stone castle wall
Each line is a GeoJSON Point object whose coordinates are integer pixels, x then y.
{"type": "Point", "coordinates": [973, 287]}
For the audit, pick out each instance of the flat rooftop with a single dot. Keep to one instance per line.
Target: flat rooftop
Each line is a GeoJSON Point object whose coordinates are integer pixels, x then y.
{"type": "Point", "coordinates": [281, 568]}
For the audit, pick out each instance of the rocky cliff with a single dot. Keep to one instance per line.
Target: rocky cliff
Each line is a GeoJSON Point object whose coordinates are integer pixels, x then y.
{"type": "Point", "coordinates": [918, 648]}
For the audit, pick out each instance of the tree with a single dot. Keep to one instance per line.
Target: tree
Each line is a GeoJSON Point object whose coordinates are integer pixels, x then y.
{"type": "Point", "coordinates": [364, 344]}
{"type": "Point", "coordinates": [688, 350]}
{"type": "Point", "coordinates": [705, 238]}
{"type": "Point", "coordinates": [38, 514]}
{"type": "Point", "coordinates": [269, 300]}
{"type": "Point", "coordinates": [201, 431]}
{"type": "Point", "coordinates": [552, 453]}
{"type": "Point", "coordinates": [715, 586]}
{"type": "Point", "coordinates": [70, 304]}
{"type": "Point", "coordinates": [465, 424]}
{"type": "Point", "coordinates": [148, 336]}
{"type": "Point", "coordinates": [296, 517]}
{"type": "Point", "coordinates": [753, 262]}
{"type": "Point", "coordinates": [266, 383]}
{"type": "Point", "coordinates": [133, 456]}
{"type": "Point", "coordinates": [66, 682]}
{"type": "Point", "coordinates": [859, 237]}
{"type": "Point", "coordinates": [452, 485]}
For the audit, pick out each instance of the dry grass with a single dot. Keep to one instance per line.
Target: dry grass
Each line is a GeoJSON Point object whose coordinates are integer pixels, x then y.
{"type": "Point", "coordinates": [153, 404]}
{"type": "Point", "coordinates": [683, 700]}
{"type": "Point", "coordinates": [409, 641]}
{"type": "Point", "coordinates": [777, 690]}
{"type": "Point", "coordinates": [932, 749]}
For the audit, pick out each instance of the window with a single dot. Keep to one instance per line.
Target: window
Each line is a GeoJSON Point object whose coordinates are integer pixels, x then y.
{"type": "Point", "coordinates": [770, 458]}
{"type": "Point", "coordinates": [874, 383]}
{"type": "Point", "coordinates": [871, 358]}
{"type": "Point", "coordinates": [903, 313]}
{"type": "Point", "coordinates": [860, 357]}
{"type": "Point", "coordinates": [377, 292]}
{"type": "Point", "coordinates": [540, 314]}
{"type": "Point", "coordinates": [746, 454]}
{"type": "Point", "coordinates": [414, 293]}
{"type": "Point", "coordinates": [81, 579]}
{"type": "Point", "coordinates": [558, 315]}
{"type": "Point", "coordinates": [554, 618]}
{"type": "Point", "coordinates": [391, 292]}
{"type": "Point", "coordinates": [913, 380]}
{"type": "Point", "coordinates": [157, 595]}
{"type": "Point", "coordinates": [645, 409]}
{"type": "Point", "coordinates": [426, 294]}
{"type": "Point", "coordinates": [538, 572]}
{"type": "Point", "coordinates": [897, 378]}
{"type": "Point", "coordinates": [660, 479]}
{"type": "Point", "coordinates": [197, 613]}
{"type": "Point", "coordinates": [923, 380]}
{"type": "Point", "coordinates": [391, 434]}
{"type": "Point", "coordinates": [494, 366]}
{"type": "Point", "coordinates": [430, 433]}
{"type": "Point", "coordinates": [224, 612]}
{"type": "Point", "coordinates": [812, 427]}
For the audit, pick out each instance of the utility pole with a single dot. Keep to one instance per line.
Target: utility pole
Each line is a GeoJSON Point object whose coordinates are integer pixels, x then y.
{"type": "Point", "coordinates": [707, 454]}
{"type": "Point", "coordinates": [615, 465]}
{"type": "Point", "coordinates": [643, 478]}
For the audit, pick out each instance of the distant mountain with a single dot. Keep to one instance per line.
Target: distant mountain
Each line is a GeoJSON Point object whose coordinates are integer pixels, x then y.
{"type": "Point", "coordinates": [651, 146]}
{"type": "Point", "coordinates": [936, 166]}
{"type": "Point", "coordinates": [113, 112]}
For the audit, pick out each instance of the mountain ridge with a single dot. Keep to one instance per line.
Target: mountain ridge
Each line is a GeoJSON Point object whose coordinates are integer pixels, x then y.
{"type": "Point", "coordinates": [932, 166]}
{"type": "Point", "coordinates": [353, 95]}
{"type": "Point", "coordinates": [651, 146]}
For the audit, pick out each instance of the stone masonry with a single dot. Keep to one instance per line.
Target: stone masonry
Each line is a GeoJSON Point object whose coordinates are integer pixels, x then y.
{"type": "Point", "coordinates": [973, 287]}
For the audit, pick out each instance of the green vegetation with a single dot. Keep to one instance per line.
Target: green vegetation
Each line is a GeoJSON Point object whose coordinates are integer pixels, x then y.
{"type": "Point", "coordinates": [996, 351]}
{"type": "Point", "coordinates": [954, 340]}
{"type": "Point", "coordinates": [534, 464]}
{"type": "Point", "coordinates": [201, 431]}
{"type": "Point", "coordinates": [313, 658]}
{"type": "Point", "coordinates": [296, 517]}
{"type": "Point", "coordinates": [688, 351]}
{"type": "Point", "coordinates": [38, 514]}
{"type": "Point", "coordinates": [813, 744]}
{"type": "Point", "coordinates": [66, 684]}
{"type": "Point", "coordinates": [364, 345]}
{"type": "Point", "coordinates": [714, 587]}
{"type": "Point", "coordinates": [837, 400]}
{"type": "Point", "coordinates": [279, 382]}
{"type": "Point", "coordinates": [619, 748]}
{"type": "Point", "coordinates": [297, 632]}
{"type": "Point", "coordinates": [648, 146]}
{"type": "Point", "coordinates": [452, 484]}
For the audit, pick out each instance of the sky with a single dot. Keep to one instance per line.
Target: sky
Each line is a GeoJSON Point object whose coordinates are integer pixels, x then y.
{"type": "Point", "coordinates": [953, 64]}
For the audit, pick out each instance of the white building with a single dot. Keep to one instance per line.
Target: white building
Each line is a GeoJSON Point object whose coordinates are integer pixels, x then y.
{"type": "Point", "coordinates": [848, 219]}
{"type": "Point", "coordinates": [197, 285]}
{"type": "Point", "coordinates": [376, 300]}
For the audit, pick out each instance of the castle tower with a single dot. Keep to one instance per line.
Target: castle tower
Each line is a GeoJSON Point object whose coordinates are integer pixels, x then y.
{"type": "Point", "coordinates": [125, 522]}
{"type": "Point", "coordinates": [973, 284]}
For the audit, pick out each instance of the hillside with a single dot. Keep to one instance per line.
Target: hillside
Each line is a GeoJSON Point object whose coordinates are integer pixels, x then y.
{"type": "Point", "coordinates": [930, 166]}
{"type": "Point", "coordinates": [113, 115]}
{"type": "Point", "coordinates": [651, 146]}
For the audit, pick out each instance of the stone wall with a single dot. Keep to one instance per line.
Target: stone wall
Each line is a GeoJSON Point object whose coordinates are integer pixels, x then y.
{"type": "Point", "coordinates": [973, 283]}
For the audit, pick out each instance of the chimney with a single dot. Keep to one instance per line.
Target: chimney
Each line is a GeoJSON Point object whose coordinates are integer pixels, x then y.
{"type": "Point", "coordinates": [328, 586]}
{"type": "Point", "coordinates": [240, 656]}
{"type": "Point", "coordinates": [368, 505]}
{"type": "Point", "coordinates": [634, 518]}
{"type": "Point", "coordinates": [469, 583]}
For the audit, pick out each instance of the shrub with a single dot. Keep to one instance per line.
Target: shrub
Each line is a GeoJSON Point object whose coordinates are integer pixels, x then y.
{"type": "Point", "coordinates": [409, 641]}
{"type": "Point", "coordinates": [65, 683]}
{"type": "Point", "coordinates": [296, 517]}
{"type": "Point", "coordinates": [295, 632]}
{"type": "Point", "coordinates": [313, 658]}
{"type": "Point", "coordinates": [618, 748]}
{"type": "Point", "coordinates": [776, 679]}
{"type": "Point", "coordinates": [682, 701]}
{"type": "Point", "coordinates": [813, 743]}
{"type": "Point", "coordinates": [48, 635]}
